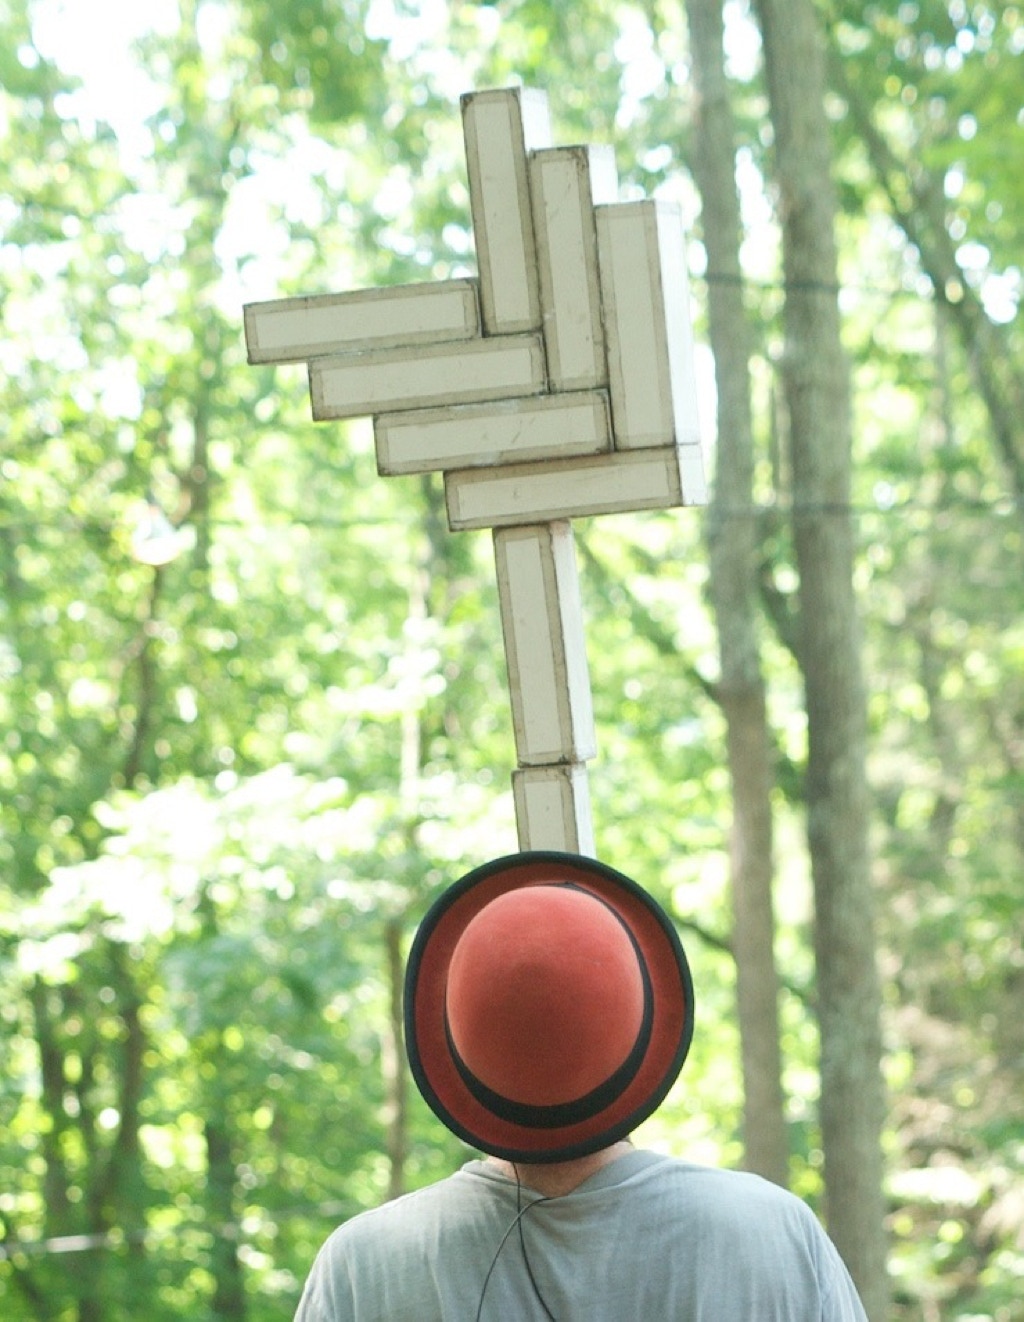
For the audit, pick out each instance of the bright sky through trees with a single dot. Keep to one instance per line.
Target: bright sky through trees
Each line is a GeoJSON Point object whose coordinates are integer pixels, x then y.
{"type": "Point", "coordinates": [92, 42]}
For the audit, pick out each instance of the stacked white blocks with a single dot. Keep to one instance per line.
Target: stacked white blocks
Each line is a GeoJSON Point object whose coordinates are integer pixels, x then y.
{"type": "Point", "coordinates": [558, 384]}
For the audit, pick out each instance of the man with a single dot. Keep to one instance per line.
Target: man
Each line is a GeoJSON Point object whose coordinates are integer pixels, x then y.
{"type": "Point", "coordinates": [549, 1008]}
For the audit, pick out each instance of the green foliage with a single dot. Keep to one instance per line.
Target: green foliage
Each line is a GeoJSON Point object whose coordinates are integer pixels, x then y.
{"type": "Point", "coordinates": [319, 56]}
{"type": "Point", "coordinates": [228, 781]}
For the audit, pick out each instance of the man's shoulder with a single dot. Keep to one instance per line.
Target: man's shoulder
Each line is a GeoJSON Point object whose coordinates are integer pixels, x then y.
{"type": "Point", "coordinates": [419, 1207]}
{"type": "Point", "coordinates": [718, 1199]}
{"type": "Point", "coordinates": [703, 1181]}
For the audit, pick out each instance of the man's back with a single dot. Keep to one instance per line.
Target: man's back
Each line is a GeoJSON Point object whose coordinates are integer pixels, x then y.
{"type": "Point", "coordinates": [647, 1237]}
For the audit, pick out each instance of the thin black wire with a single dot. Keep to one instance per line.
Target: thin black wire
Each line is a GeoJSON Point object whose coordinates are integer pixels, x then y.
{"type": "Point", "coordinates": [891, 293]}
{"type": "Point", "coordinates": [504, 1240]}
{"type": "Point", "coordinates": [526, 1256]}
{"type": "Point", "coordinates": [997, 507]}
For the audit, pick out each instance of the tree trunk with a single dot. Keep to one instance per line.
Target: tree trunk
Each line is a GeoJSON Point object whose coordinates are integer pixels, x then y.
{"type": "Point", "coordinates": [733, 552]}
{"type": "Point", "coordinates": [816, 385]}
{"type": "Point", "coordinates": [228, 1302]}
{"type": "Point", "coordinates": [58, 1215]}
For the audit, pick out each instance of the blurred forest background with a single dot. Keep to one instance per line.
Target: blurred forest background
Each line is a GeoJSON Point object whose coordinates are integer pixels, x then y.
{"type": "Point", "coordinates": [252, 698]}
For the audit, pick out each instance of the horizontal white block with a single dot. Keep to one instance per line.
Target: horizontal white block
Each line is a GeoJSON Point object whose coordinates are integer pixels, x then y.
{"type": "Point", "coordinates": [553, 808]}
{"type": "Point", "coordinates": [645, 289]}
{"type": "Point", "coordinates": [565, 182]}
{"type": "Point", "coordinates": [499, 126]}
{"type": "Point", "coordinates": [354, 385]}
{"type": "Point", "coordinates": [542, 625]}
{"type": "Point", "coordinates": [575, 488]}
{"type": "Point", "coordinates": [291, 330]}
{"type": "Point", "coordinates": [499, 432]}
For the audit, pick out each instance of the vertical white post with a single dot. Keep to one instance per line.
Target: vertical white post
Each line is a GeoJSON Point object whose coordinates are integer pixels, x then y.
{"type": "Point", "coordinates": [499, 128]}
{"type": "Point", "coordinates": [542, 624]}
{"type": "Point", "coordinates": [553, 808]}
{"type": "Point", "coordinates": [565, 183]}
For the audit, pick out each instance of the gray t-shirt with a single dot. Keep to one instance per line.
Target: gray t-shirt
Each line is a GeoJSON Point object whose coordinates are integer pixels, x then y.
{"type": "Point", "coordinates": [646, 1238]}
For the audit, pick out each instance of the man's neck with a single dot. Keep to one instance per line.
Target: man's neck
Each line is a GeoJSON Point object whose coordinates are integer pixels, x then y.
{"type": "Point", "coordinates": [553, 1179]}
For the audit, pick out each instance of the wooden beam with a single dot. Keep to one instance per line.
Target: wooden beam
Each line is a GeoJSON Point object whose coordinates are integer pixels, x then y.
{"type": "Point", "coordinates": [645, 290]}
{"type": "Point", "coordinates": [575, 488]}
{"type": "Point", "coordinates": [553, 808]}
{"type": "Point", "coordinates": [545, 648]}
{"type": "Point", "coordinates": [359, 384]}
{"type": "Point", "coordinates": [499, 128]}
{"type": "Point", "coordinates": [499, 432]}
{"type": "Point", "coordinates": [292, 330]}
{"type": "Point", "coordinates": [565, 182]}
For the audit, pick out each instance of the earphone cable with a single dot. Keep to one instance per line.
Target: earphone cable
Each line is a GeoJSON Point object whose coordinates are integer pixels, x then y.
{"type": "Point", "coordinates": [516, 1221]}
{"type": "Point", "coordinates": [522, 1244]}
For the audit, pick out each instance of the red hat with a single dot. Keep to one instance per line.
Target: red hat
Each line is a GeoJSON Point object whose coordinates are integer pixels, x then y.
{"type": "Point", "coordinates": [548, 1006]}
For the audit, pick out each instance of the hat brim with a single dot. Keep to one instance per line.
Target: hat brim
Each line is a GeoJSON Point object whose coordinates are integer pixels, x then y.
{"type": "Point", "coordinates": [429, 1049]}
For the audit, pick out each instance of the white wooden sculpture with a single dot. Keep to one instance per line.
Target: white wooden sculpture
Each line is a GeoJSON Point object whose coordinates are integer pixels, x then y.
{"type": "Point", "coordinates": [558, 384]}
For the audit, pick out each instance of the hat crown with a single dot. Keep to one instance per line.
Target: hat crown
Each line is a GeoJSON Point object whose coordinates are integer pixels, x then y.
{"type": "Point", "coordinates": [545, 995]}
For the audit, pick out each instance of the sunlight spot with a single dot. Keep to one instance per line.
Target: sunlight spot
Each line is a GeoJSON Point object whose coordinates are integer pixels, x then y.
{"type": "Point", "coordinates": [93, 42]}
{"type": "Point", "coordinates": [1000, 295]}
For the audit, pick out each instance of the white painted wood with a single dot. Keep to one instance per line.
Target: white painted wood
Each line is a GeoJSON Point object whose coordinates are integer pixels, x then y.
{"type": "Point", "coordinates": [553, 808]}
{"type": "Point", "coordinates": [572, 488]}
{"type": "Point", "coordinates": [565, 182]}
{"type": "Point", "coordinates": [358, 384]}
{"type": "Point", "coordinates": [499, 126]}
{"type": "Point", "coordinates": [503, 431]}
{"type": "Point", "coordinates": [560, 384]}
{"type": "Point", "coordinates": [545, 649]}
{"type": "Point", "coordinates": [647, 323]}
{"type": "Point", "coordinates": [291, 330]}
{"type": "Point", "coordinates": [692, 473]}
